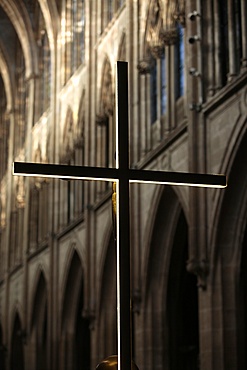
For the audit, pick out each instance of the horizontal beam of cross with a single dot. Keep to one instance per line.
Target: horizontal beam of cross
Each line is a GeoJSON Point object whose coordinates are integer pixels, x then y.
{"type": "Point", "coordinates": [113, 174]}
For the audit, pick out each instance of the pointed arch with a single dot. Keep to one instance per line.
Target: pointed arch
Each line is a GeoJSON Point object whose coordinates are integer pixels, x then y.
{"type": "Point", "coordinates": [235, 168]}
{"type": "Point", "coordinates": [229, 258]}
{"type": "Point", "coordinates": [6, 76]}
{"type": "Point", "coordinates": [105, 127]}
{"type": "Point", "coordinates": [18, 15]}
{"type": "Point", "coordinates": [107, 309]}
{"type": "Point", "coordinates": [75, 324]}
{"type": "Point", "coordinates": [170, 198]}
{"type": "Point", "coordinates": [40, 295]}
{"type": "Point", "coordinates": [17, 345]}
{"type": "Point", "coordinates": [122, 48]}
{"type": "Point", "coordinates": [106, 92]}
{"type": "Point", "coordinates": [43, 83]}
{"type": "Point", "coordinates": [165, 273]}
{"type": "Point", "coordinates": [39, 323]}
{"type": "Point", "coordinates": [80, 124]}
{"type": "Point", "coordinates": [68, 136]}
{"type": "Point", "coordinates": [181, 301]}
{"type": "Point", "coordinates": [2, 350]}
{"type": "Point", "coordinates": [73, 285]}
{"type": "Point", "coordinates": [49, 10]}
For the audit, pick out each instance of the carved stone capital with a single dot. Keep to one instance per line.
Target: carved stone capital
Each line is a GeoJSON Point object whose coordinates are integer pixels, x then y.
{"type": "Point", "coordinates": [136, 301]}
{"type": "Point", "coordinates": [101, 119]}
{"type": "Point", "coordinates": [144, 66]}
{"type": "Point", "coordinates": [169, 36]}
{"type": "Point", "coordinates": [20, 192]}
{"type": "Point", "coordinates": [79, 141]}
{"type": "Point", "coordinates": [90, 315]}
{"type": "Point", "coordinates": [157, 51]}
{"type": "Point", "coordinates": [201, 269]}
{"type": "Point", "coordinates": [179, 12]}
{"type": "Point", "coordinates": [67, 154]}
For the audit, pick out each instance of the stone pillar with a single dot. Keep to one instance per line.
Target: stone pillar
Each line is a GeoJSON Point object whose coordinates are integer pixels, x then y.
{"type": "Point", "coordinates": [144, 68]}
{"type": "Point", "coordinates": [217, 42]}
{"type": "Point", "coordinates": [244, 34]}
{"type": "Point", "coordinates": [232, 40]}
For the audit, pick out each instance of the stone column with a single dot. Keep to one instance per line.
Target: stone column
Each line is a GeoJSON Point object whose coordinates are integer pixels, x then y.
{"type": "Point", "coordinates": [244, 34]}
{"type": "Point", "coordinates": [232, 40]}
{"type": "Point", "coordinates": [144, 69]}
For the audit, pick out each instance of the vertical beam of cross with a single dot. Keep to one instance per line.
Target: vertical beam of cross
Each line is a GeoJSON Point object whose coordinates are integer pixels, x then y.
{"type": "Point", "coordinates": [123, 223]}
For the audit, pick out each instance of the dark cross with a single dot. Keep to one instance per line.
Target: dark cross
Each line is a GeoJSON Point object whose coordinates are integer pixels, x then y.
{"type": "Point", "coordinates": [122, 175]}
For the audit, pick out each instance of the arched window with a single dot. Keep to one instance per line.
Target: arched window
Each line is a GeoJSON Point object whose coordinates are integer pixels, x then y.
{"type": "Point", "coordinates": [44, 60]}
{"type": "Point", "coordinates": [153, 91]}
{"type": "Point", "coordinates": [108, 10]}
{"type": "Point", "coordinates": [158, 87]}
{"type": "Point", "coordinates": [17, 346]}
{"type": "Point", "coordinates": [45, 72]}
{"type": "Point", "coordinates": [75, 323]}
{"type": "Point", "coordinates": [4, 131]}
{"type": "Point", "coordinates": [78, 30]}
{"type": "Point", "coordinates": [105, 127]}
{"type": "Point", "coordinates": [2, 350]}
{"type": "Point", "coordinates": [163, 84]}
{"type": "Point", "coordinates": [231, 40]}
{"type": "Point", "coordinates": [21, 99]}
{"type": "Point", "coordinates": [224, 41]}
{"type": "Point", "coordinates": [238, 33]}
{"type": "Point", "coordinates": [120, 3]}
{"type": "Point", "coordinates": [179, 63]}
{"type": "Point", "coordinates": [39, 323]}
{"type": "Point", "coordinates": [43, 90]}
{"type": "Point", "coordinates": [73, 36]}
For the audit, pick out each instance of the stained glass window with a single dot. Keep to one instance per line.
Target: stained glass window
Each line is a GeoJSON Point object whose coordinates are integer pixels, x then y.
{"type": "Point", "coordinates": [179, 63]}
{"type": "Point", "coordinates": [163, 85]}
{"type": "Point", "coordinates": [153, 92]}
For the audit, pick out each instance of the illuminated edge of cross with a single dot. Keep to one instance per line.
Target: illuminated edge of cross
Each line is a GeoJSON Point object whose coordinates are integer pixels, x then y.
{"type": "Point", "coordinates": [122, 175]}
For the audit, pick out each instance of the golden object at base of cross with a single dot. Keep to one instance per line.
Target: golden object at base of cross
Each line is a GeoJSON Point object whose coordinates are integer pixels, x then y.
{"type": "Point", "coordinates": [111, 363]}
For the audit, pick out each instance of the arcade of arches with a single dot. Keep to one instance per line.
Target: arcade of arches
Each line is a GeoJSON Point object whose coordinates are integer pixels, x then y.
{"type": "Point", "coordinates": [187, 112]}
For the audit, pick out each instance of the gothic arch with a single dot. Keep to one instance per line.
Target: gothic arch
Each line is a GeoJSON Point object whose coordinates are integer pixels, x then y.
{"type": "Point", "coordinates": [80, 124]}
{"type": "Point", "coordinates": [17, 345]}
{"type": "Point", "coordinates": [50, 14]}
{"type": "Point", "coordinates": [229, 257]}
{"type": "Point", "coordinates": [72, 258]}
{"type": "Point", "coordinates": [75, 335]}
{"type": "Point", "coordinates": [107, 309]}
{"type": "Point", "coordinates": [68, 136]}
{"type": "Point", "coordinates": [106, 91]}
{"type": "Point", "coordinates": [21, 22]}
{"type": "Point", "coordinates": [39, 323]}
{"type": "Point", "coordinates": [233, 196]}
{"type": "Point", "coordinates": [122, 48]}
{"type": "Point", "coordinates": [159, 194]}
{"type": "Point", "coordinates": [5, 73]}
{"type": "Point", "coordinates": [2, 350]}
{"type": "Point", "coordinates": [16, 312]}
{"type": "Point", "coordinates": [165, 273]}
{"type": "Point", "coordinates": [73, 251]}
{"type": "Point", "coordinates": [105, 134]}
{"type": "Point", "coordinates": [166, 216]}
{"type": "Point", "coordinates": [40, 277]}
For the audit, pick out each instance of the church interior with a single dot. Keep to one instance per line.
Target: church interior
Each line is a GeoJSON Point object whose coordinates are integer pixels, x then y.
{"type": "Point", "coordinates": [187, 63]}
